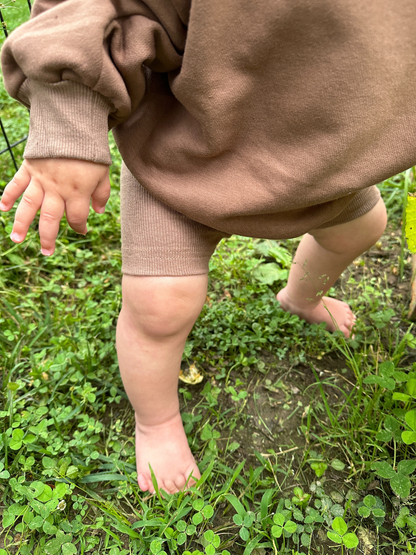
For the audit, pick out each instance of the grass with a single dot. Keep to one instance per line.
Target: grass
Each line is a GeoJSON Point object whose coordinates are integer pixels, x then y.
{"type": "Point", "coordinates": [305, 441]}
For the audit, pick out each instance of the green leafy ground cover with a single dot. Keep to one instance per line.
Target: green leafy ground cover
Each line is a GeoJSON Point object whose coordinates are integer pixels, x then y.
{"type": "Point", "coordinates": [306, 443]}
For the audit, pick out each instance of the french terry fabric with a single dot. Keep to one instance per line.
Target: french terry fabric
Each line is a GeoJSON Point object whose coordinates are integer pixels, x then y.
{"type": "Point", "coordinates": [260, 118]}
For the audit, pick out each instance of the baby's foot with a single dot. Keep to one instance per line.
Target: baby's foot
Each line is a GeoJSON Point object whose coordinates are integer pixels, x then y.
{"type": "Point", "coordinates": [166, 448]}
{"type": "Point", "coordinates": [339, 311]}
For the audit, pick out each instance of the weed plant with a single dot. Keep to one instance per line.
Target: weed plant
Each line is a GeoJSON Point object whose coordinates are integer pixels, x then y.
{"type": "Point", "coordinates": [305, 441]}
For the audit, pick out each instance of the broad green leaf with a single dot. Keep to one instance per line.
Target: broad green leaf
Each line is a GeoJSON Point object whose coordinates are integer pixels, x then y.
{"type": "Point", "coordinates": [30, 438]}
{"type": "Point", "coordinates": [370, 379]}
{"type": "Point", "coordinates": [270, 273]}
{"type": "Point", "coordinates": [350, 540]}
{"type": "Point", "coordinates": [379, 513]}
{"type": "Point", "coordinates": [197, 519]}
{"type": "Point", "coordinates": [53, 546]}
{"type": "Point", "coordinates": [279, 519]}
{"type": "Point", "coordinates": [400, 376]}
{"type": "Point", "coordinates": [16, 509]}
{"type": "Point", "coordinates": [383, 469]}
{"type": "Point", "coordinates": [305, 539]}
{"type": "Point", "coordinates": [400, 397]}
{"type": "Point", "coordinates": [198, 504]}
{"type": "Point", "coordinates": [388, 383]}
{"type": "Point", "coordinates": [69, 549]}
{"type": "Point", "coordinates": [406, 467]}
{"type": "Point", "coordinates": [36, 522]}
{"type": "Point", "coordinates": [319, 468]}
{"type": "Point", "coordinates": [298, 492]}
{"type": "Point", "coordinates": [48, 462]}
{"type": "Point", "coordinates": [281, 255]}
{"type": "Point", "coordinates": [37, 488]}
{"type": "Point", "coordinates": [180, 526]}
{"type": "Point", "coordinates": [400, 484]}
{"type": "Point", "coordinates": [60, 490]}
{"type": "Point", "coordinates": [337, 510]}
{"type": "Point", "coordinates": [209, 536]}
{"type": "Point", "coordinates": [409, 437]}
{"type": "Point", "coordinates": [210, 550]}
{"type": "Point", "coordinates": [13, 386]}
{"type": "Point", "coordinates": [334, 537]}
{"type": "Point", "coordinates": [337, 464]}
{"type": "Point", "coordinates": [8, 519]}
{"type": "Point", "coordinates": [208, 511]}
{"type": "Point", "coordinates": [290, 527]}
{"type": "Point", "coordinates": [46, 495]}
{"type": "Point", "coordinates": [364, 512]}
{"type": "Point", "coordinates": [384, 436]}
{"type": "Point", "coordinates": [49, 528]}
{"type": "Point", "coordinates": [181, 539]}
{"type": "Point", "coordinates": [369, 501]}
{"type": "Point", "coordinates": [238, 520]}
{"type": "Point", "coordinates": [28, 517]}
{"type": "Point", "coordinates": [386, 369]}
{"type": "Point", "coordinates": [411, 387]}
{"type": "Point", "coordinates": [244, 534]}
{"type": "Point", "coordinates": [249, 519]}
{"type": "Point", "coordinates": [410, 418]}
{"type": "Point", "coordinates": [339, 525]}
{"type": "Point", "coordinates": [391, 424]}
{"type": "Point", "coordinates": [410, 228]}
{"type": "Point", "coordinates": [16, 441]}
{"type": "Point", "coordinates": [155, 547]}
{"type": "Point", "coordinates": [277, 531]}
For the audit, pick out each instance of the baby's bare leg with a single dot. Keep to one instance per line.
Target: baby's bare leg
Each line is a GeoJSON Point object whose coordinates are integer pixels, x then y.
{"type": "Point", "coordinates": [157, 315]}
{"type": "Point", "coordinates": [322, 255]}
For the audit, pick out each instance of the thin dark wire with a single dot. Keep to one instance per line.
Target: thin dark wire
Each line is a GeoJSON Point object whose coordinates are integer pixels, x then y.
{"type": "Point", "coordinates": [9, 146]}
{"type": "Point", "coordinates": [14, 144]}
{"type": "Point", "coordinates": [3, 24]}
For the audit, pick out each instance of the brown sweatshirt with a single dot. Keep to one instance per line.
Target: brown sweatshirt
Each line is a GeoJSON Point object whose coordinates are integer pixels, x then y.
{"type": "Point", "coordinates": [256, 117]}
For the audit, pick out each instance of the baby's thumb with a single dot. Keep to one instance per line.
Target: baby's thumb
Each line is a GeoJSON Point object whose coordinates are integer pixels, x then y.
{"type": "Point", "coordinates": [101, 194]}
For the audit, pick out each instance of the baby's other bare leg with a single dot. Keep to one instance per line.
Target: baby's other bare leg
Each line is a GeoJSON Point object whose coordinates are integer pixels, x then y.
{"type": "Point", "coordinates": [157, 315]}
{"type": "Point", "coordinates": [322, 256]}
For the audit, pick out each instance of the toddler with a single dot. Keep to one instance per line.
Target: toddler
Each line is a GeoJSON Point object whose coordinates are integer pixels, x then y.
{"type": "Point", "coordinates": [270, 119]}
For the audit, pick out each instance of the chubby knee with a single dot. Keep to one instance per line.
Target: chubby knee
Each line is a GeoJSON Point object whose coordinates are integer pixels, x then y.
{"type": "Point", "coordinates": [355, 236]}
{"type": "Point", "coordinates": [163, 306]}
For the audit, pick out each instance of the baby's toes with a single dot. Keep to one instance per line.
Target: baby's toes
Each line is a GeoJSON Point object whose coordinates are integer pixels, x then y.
{"type": "Point", "coordinates": [180, 482]}
{"type": "Point", "coordinates": [143, 482]}
{"type": "Point", "coordinates": [169, 486]}
{"type": "Point", "coordinates": [346, 330]}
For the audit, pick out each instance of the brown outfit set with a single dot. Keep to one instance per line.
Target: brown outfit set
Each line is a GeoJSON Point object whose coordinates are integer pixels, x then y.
{"type": "Point", "coordinates": [264, 118]}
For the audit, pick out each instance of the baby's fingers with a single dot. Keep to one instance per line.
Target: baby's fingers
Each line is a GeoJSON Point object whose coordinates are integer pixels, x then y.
{"type": "Point", "coordinates": [26, 211]}
{"type": "Point", "coordinates": [101, 194]}
{"type": "Point", "coordinates": [15, 188]}
{"type": "Point", "coordinates": [51, 213]}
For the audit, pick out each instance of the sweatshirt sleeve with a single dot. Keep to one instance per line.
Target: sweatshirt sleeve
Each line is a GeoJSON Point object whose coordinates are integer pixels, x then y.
{"type": "Point", "coordinates": [80, 67]}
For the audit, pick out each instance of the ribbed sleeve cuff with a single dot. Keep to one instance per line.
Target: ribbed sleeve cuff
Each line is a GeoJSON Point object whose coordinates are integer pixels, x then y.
{"type": "Point", "coordinates": [67, 120]}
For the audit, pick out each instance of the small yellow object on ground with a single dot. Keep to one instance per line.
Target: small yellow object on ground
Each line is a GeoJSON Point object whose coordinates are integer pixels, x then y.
{"type": "Point", "coordinates": [191, 376]}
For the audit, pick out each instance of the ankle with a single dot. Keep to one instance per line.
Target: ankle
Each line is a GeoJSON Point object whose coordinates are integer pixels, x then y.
{"type": "Point", "coordinates": [289, 300]}
{"type": "Point", "coordinates": [157, 422]}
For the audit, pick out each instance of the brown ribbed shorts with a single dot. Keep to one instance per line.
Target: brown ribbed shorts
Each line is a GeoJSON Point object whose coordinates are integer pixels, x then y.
{"type": "Point", "coordinates": [158, 241]}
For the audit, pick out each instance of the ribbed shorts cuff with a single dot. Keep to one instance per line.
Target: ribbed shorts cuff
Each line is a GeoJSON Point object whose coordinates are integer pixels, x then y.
{"type": "Point", "coordinates": [362, 203]}
{"type": "Point", "coordinates": [137, 265]}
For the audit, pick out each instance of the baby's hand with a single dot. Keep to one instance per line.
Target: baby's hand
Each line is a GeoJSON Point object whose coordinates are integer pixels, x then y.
{"type": "Point", "coordinates": [56, 186]}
